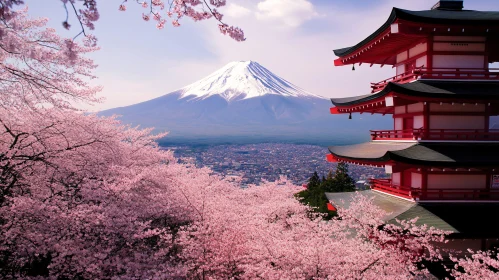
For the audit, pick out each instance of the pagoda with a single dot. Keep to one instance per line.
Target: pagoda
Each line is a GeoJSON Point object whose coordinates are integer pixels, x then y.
{"type": "Point", "coordinates": [442, 98]}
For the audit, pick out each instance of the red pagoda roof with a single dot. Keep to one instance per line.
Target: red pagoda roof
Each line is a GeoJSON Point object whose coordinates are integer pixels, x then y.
{"type": "Point", "coordinates": [404, 29]}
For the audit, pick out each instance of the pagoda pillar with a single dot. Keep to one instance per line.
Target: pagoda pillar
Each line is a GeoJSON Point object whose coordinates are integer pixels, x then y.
{"type": "Point", "coordinates": [424, 183]}
{"type": "Point", "coordinates": [429, 53]}
{"type": "Point", "coordinates": [487, 117]}
{"type": "Point", "coordinates": [426, 119]}
{"type": "Point", "coordinates": [488, 180]}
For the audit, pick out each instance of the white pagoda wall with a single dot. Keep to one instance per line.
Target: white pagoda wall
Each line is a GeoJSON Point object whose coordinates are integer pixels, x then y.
{"type": "Point", "coordinates": [402, 56]}
{"type": "Point", "coordinates": [396, 178]}
{"type": "Point", "coordinates": [457, 122]}
{"type": "Point", "coordinates": [409, 55]}
{"type": "Point", "coordinates": [411, 108]}
{"type": "Point", "coordinates": [459, 47]}
{"type": "Point", "coordinates": [446, 45]}
{"type": "Point", "coordinates": [444, 181]}
{"type": "Point", "coordinates": [418, 122]}
{"type": "Point", "coordinates": [399, 109]}
{"type": "Point", "coordinates": [469, 53]}
{"type": "Point", "coordinates": [412, 52]}
{"type": "Point", "coordinates": [400, 69]}
{"type": "Point", "coordinates": [418, 49]}
{"type": "Point", "coordinates": [458, 61]}
{"type": "Point", "coordinates": [456, 181]}
{"type": "Point", "coordinates": [416, 180]}
{"type": "Point", "coordinates": [398, 124]}
{"type": "Point", "coordinates": [457, 107]}
{"type": "Point", "coordinates": [421, 62]}
{"type": "Point", "coordinates": [414, 108]}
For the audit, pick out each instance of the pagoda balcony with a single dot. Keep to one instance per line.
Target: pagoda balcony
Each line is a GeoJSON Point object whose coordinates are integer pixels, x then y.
{"type": "Point", "coordinates": [437, 134]}
{"type": "Point", "coordinates": [386, 186]}
{"type": "Point", "coordinates": [439, 74]}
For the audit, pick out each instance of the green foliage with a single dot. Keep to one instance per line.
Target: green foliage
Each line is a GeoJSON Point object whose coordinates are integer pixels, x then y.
{"type": "Point", "coordinates": [341, 181]}
{"type": "Point", "coordinates": [315, 196]}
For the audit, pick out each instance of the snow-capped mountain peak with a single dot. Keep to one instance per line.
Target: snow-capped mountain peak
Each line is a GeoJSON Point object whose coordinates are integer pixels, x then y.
{"type": "Point", "coordinates": [243, 100]}
{"type": "Point", "coordinates": [242, 80]}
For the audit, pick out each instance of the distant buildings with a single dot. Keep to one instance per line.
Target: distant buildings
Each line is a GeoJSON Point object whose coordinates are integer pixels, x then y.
{"type": "Point", "coordinates": [257, 162]}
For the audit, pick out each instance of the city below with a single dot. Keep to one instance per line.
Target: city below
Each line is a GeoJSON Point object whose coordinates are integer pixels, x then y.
{"type": "Point", "coordinates": [258, 162]}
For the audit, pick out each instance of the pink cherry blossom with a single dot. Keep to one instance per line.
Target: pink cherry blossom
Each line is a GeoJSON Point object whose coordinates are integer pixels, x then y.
{"type": "Point", "coordinates": [161, 24]}
{"type": "Point", "coordinates": [234, 32]}
{"type": "Point", "coordinates": [157, 16]}
{"type": "Point", "coordinates": [87, 13]}
{"type": "Point", "coordinates": [477, 265]}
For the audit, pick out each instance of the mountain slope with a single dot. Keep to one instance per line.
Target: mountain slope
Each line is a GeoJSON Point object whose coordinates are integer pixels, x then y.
{"type": "Point", "coordinates": [242, 80]}
{"type": "Point", "coordinates": [244, 99]}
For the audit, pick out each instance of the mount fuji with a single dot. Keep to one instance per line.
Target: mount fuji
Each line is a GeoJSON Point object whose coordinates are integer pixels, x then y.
{"type": "Point", "coordinates": [245, 102]}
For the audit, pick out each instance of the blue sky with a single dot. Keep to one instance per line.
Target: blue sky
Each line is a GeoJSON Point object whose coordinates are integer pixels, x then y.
{"type": "Point", "coordinates": [292, 38]}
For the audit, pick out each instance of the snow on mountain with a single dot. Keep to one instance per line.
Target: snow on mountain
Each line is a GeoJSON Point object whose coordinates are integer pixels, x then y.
{"type": "Point", "coordinates": [244, 99]}
{"type": "Point", "coordinates": [242, 80]}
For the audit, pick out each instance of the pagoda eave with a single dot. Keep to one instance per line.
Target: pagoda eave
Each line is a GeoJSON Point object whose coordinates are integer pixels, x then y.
{"type": "Point", "coordinates": [439, 155]}
{"type": "Point", "coordinates": [334, 158]}
{"type": "Point", "coordinates": [380, 49]}
{"type": "Point", "coordinates": [404, 29]}
{"type": "Point", "coordinates": [434, 91]}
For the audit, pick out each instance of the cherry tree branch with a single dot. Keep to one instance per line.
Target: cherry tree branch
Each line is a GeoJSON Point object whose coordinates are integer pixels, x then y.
{"type": "Point", "coordinates": [78, 17]}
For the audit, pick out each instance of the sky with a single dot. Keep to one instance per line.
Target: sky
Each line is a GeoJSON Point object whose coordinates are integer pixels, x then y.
{"type": "Point", "coordinates": [292, 38]}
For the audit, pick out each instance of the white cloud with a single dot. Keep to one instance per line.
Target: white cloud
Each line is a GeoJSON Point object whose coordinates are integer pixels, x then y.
{"type": "Point", "coordinates": [236, 11]}
{"type": "Point", "coordinates": [290, 12]}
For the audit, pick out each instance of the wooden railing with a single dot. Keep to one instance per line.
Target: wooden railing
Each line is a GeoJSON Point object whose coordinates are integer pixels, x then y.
{"type": "Point", "coordinates": [400, 78]}
{"type": "Point", "coordinates": [437, 134]}
{"type": "Point", "coordinates": [439, 73]}
{"type": "Point", "coordinates": [393, 134]}
{"type": "Point", "coordinates": [385, 185]}
{"type": "Point", "coordinates": [458, 73]}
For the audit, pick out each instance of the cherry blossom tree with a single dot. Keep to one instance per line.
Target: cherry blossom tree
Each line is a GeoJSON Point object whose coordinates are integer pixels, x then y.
{"type": "Point", "coordinates": [160, 11]}
{"type": "Point", "coordinates": [477, 265]}
{"type": "Point", "coordinates": [40, 68]}
{"type": "Point", "coordinates": [78, 194]}
{"type": "Point", "coordinates": [264, 232]}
